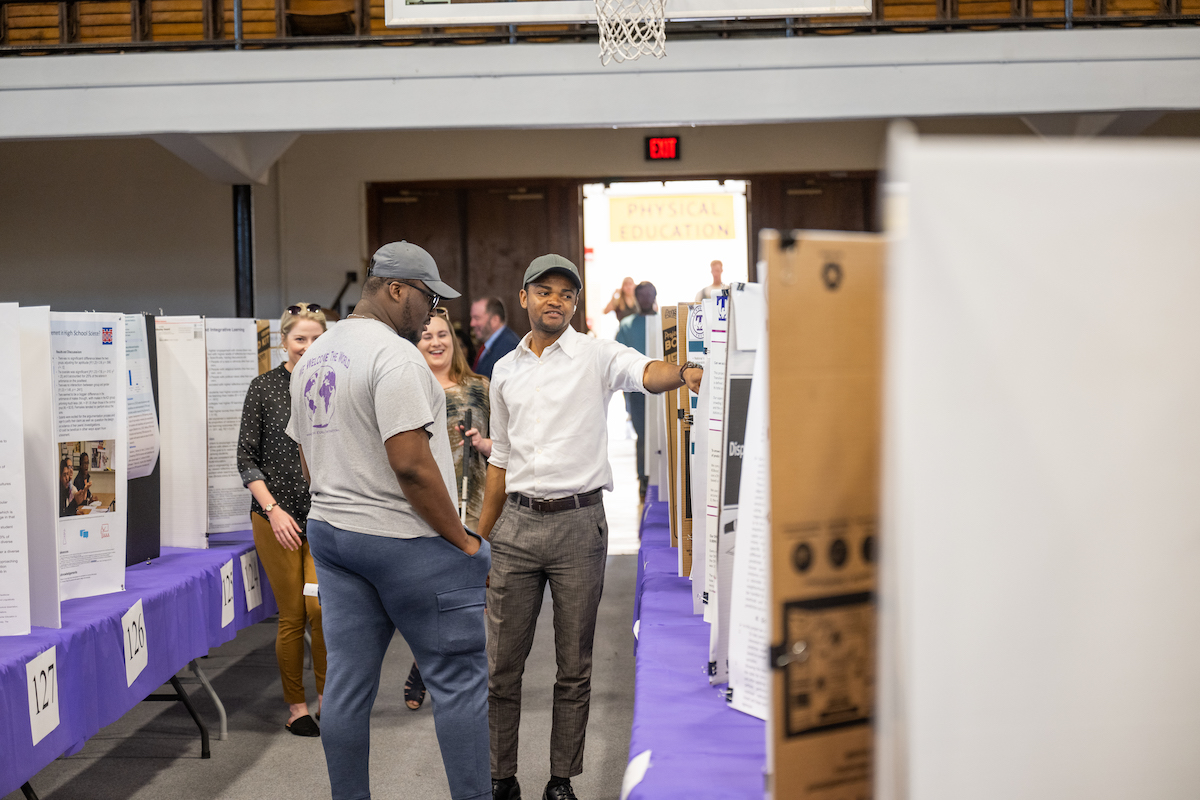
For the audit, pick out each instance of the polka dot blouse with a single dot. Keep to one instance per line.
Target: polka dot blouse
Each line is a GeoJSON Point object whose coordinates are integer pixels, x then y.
{"type": "Point", "coordinates": [265, 452]}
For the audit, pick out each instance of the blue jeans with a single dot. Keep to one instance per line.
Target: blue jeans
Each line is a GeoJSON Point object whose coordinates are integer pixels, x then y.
{"type": "Point", "coordinates": [431, 591]}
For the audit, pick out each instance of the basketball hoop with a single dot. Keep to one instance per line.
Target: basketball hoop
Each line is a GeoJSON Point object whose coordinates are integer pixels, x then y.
{"type": "Point", "coordinates": [630, 29]}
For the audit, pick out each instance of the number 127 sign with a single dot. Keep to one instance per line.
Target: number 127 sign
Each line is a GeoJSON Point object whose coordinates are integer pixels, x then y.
{"type": "Point", "coordinates": [42, 680]}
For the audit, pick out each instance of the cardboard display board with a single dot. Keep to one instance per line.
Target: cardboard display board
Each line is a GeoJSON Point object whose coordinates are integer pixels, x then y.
{"type": "Point", "coordinates": [14, 542]}
{"type": "Point", "coordinates": [670, 340]}
{"type": "Point", "coordinates": [691, 348]}
{"type": "Point", "coordinates": [182, 380]}
{"type": "Point", "coordinates": [824, 295]}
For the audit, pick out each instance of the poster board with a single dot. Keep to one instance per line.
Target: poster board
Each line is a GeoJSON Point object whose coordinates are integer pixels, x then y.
{"type": "Point", "coordinates": [232, 353]}
{"type": "Point", "coordinates": [745, 316]}
{"type": "Point", "coordinates": [41, 463]}
{"type": "Point", "coordinates": [824, 323]}
{"type": "Point", "coordinates": [1041, 310]}
{"type": "Point", "coordinates": [670, 345]}
{"type": "Point", "coordinates": [142, 541]}
{"type": "Point", "coordinates": [14, 534]}
{"type": "Point", "coordinates": [697, 452]}
{"type": "Point", "coordinates": [691, 349]}
{"type": "Point", "coordinates": [182, 380]}
{"type": "Point", "coordinates": [749, 612]}
{"type": "Point", "coordinates": [88, 377]}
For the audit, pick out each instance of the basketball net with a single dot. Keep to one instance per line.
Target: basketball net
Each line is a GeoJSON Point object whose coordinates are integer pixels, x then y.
{"type": "Point", "coordinates": [630, 29]}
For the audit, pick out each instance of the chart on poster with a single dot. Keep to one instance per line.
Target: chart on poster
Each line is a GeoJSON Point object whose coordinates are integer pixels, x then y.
{"type": "Point", "coordinates": [88, 378]}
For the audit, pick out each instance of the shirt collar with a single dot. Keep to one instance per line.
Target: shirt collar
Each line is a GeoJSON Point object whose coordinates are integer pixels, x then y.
{"type": "Point", "coordinates": [569, 342]}
{"type": "Point", "coordinates": [495, 335]}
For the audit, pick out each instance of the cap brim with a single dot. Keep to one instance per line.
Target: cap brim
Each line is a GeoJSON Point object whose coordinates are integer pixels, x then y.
{"type": "Point", "coordinates": [566, 273]}
{"type": "Point", "coordinates": [442, 290]}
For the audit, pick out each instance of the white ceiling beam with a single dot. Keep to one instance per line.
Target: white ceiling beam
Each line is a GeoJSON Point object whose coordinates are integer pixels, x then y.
{"type": "Point", "coordinates": [734, 81]}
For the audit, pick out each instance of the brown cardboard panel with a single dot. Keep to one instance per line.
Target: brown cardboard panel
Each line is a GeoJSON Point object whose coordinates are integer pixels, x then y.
{"type": "Point", "coordinates": [824, 320]}
{"type": "Point", "coordinates": [670, 338]}
{"type": "Point", "coordinates": [684, 469]}
{"type": "Point", "coordinates": [263, 327]}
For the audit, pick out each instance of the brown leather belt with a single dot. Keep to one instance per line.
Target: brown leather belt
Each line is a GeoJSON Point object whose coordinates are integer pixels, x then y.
{"type": "Point", "coordinates": [561, 504]}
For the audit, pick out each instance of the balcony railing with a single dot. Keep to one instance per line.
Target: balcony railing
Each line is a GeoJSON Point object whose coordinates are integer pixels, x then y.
{"type": "Point", "coordinates": [74, 26]}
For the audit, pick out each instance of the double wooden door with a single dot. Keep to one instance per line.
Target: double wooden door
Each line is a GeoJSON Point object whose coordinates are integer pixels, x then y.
{"type": "Point", "coordinates": [482, 234]}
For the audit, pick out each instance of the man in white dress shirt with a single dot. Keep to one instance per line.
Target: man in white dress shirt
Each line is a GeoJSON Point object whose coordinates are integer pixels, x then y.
{"type": "Point", "coordinates": [543, 510]}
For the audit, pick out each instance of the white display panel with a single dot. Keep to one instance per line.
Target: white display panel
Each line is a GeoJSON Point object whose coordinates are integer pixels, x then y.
{"type": "Point", "coordinates": [14, 537]}
{"type": "Point", "coordinates": [182, 395]}
{"type": "Point", "coordinates": [231, 347]}
{"type": "Point", "coordinates": [1039, 609]}
{"type": "Point", "coordinates": [41, 481]}
{"type": "Point", "coordinates": [90, 426]}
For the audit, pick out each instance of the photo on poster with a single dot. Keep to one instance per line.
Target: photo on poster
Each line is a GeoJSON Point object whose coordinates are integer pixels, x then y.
{"type": "Point", "coordinates": [87, 478]}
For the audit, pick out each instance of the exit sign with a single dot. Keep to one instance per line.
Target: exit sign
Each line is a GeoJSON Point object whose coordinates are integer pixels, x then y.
{"type": "Point", "coordinates": [662, 148]}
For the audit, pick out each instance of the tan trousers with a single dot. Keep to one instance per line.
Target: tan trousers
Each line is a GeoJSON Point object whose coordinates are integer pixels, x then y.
{"type": "Point", "coordinates": [287, 572]}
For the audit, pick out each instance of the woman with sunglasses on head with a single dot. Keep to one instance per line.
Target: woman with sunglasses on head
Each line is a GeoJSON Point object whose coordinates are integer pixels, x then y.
{"type": "Point", "coordinates": [465, 391]}
{"type": "Point", "coordinates": [269, 463]}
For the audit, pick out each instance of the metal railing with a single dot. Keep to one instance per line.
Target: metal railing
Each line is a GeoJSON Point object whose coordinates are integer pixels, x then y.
{"type": "Point", "coordinates": [945, 18]}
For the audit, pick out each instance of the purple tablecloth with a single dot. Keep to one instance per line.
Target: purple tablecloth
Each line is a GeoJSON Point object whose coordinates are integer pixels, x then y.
{"type": "Point", "coordinates": [181, 607]}
{"type": "Point", "coordinates": [700, 747]}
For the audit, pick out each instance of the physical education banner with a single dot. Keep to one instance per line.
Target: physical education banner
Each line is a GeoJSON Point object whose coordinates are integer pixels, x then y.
{"type": "Point", "coordinates": [231, 347]}
{"type": "Point", "coordinates": [671, 218]}
{"type": "Point", "coordinates": [14, 539]}
{"type": "Point", "coordinates": [90, 415]}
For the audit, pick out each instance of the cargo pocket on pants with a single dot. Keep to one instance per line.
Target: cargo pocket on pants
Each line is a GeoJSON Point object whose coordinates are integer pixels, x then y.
{"type": "Point", "coordinates": [460, 621]}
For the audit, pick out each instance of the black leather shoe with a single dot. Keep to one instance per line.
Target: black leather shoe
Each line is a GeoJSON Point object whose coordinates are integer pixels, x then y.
{"type": "Point", "coordinates": [507, 789]}
{"type": "Point", "coordinates": [559, 791]}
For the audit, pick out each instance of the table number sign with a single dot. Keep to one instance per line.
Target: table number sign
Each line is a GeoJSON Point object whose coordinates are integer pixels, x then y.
{"type": "Point", "coordinates": [133, 625]}
{"type": "Point", "coordinates": [250, 580]}
{"type": "Point", "coordinates": [42, 680]}
{"type": "Point", "coordinates": [227, 593]}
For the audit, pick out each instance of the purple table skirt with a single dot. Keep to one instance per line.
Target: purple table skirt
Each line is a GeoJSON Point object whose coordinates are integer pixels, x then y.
{"type": "Point", "coordinates": [700, 747]}
{"type": "Point", "coordinates": [181, 606]}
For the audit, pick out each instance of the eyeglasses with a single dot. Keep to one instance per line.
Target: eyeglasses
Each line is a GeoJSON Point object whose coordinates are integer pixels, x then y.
{"type": "Point", "coordinates": [311, 308]}
{"type": "Point", "coordinates": [433, 298]}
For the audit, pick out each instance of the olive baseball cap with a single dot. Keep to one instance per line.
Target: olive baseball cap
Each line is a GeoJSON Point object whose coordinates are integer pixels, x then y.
{"type": "Point", "coordinates": [544, 265]}
{"type": "Point", "coordinates": [406, 261]}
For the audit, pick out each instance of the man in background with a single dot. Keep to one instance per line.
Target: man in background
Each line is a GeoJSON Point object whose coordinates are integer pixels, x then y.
{"type": "Point", "coordinates": [495, 338]}
{"type": "Point", "coordinates": [707, 292]}
{"type": "Point", "coordinates": [632, 333]}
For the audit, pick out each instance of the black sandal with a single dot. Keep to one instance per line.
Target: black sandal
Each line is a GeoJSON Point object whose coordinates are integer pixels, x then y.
{"type": "Point", "coordinates": [414, 689]}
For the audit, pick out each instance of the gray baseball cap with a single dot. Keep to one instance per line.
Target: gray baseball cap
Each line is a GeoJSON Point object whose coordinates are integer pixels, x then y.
{"type": "Point", "coordinates": [405, 261]}
{"type": "Point", "coordinates": [543, 265]}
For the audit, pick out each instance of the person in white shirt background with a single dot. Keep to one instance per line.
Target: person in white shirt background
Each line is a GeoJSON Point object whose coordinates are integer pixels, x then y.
{"type": "Point", "coordinates": [543, 511]}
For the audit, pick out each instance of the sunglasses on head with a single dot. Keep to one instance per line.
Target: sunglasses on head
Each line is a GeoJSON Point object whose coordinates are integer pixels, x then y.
{"type": "Point", "coordinates": [311, 308]}
{"type": "Point", "coordinates": [441, 312]}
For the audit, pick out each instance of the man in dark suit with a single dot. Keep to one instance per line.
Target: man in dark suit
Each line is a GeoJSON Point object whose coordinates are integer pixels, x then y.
{"type": "Point", "coordinates": [496, 339]}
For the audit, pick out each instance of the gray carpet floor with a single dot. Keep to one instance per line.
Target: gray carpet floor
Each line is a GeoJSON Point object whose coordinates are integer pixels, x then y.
{"type": "Point", "coordinates": [153, 752]}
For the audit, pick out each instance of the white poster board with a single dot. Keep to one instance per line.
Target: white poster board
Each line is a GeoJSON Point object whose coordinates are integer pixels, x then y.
{"type": "Point", "coordinates": [697, 450]}
{"type": "Point", "coordinates": [90, 412]}
{"type": "Point", "coordinates": [182, 400]}
{"type": "Point", "coordinates": [139, 395]}
{"type": "Point", "coordinates": [14, 535]}
{"type": "Point", "coordinates": [231, 346]}
{"type": "Point", "coordinates": [1039, 607]}
{"type": "Point", "coordinates": [745, 323]}
{"type": "Point", "coordinates": [41, 465]}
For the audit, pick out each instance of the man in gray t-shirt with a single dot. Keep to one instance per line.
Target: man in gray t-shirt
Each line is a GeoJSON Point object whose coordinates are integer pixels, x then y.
{"type": "Point", "coordinates": [389, 548]}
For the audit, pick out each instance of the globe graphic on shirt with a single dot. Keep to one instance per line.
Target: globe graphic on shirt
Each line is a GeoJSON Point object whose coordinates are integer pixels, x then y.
{"type": "Point", "coordinates": [319, 391]}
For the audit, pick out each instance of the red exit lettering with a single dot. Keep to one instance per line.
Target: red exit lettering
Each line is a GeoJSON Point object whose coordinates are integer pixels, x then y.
{"type": "Point", "coordinates": [662, 147]}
